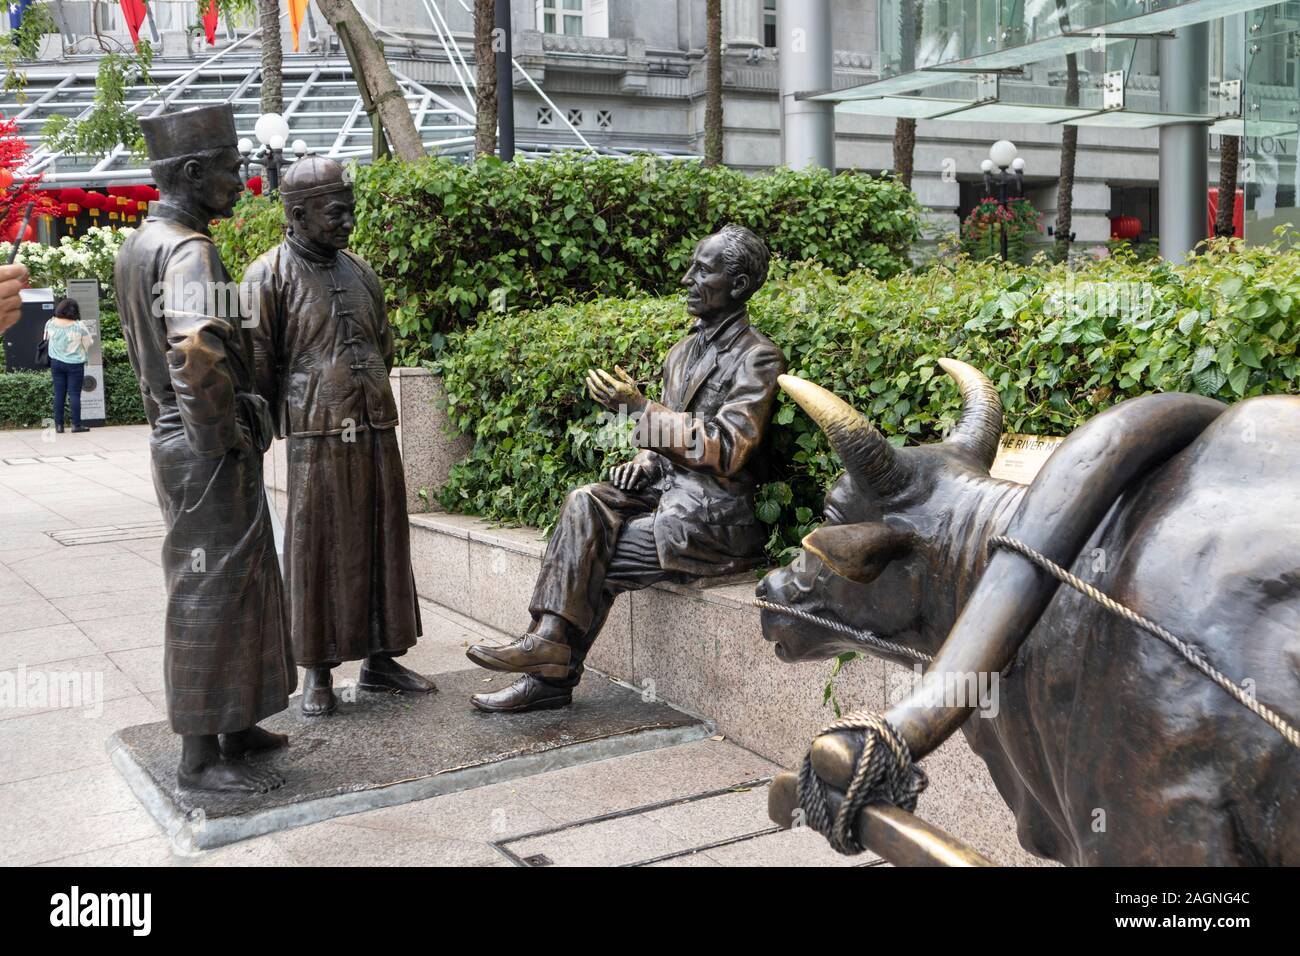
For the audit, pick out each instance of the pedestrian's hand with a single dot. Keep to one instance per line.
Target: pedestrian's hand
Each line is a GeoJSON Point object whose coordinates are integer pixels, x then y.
{"type": "Point", "coordinates": [13, 279]}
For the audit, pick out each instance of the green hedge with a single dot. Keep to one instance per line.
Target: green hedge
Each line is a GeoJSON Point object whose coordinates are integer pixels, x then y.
{"type": "Point", "coordinates": [27, 398]}
{"type": "Point", "coordinates": [452, 240]}
{"type": "Point", "coordinates": [1061, 345]}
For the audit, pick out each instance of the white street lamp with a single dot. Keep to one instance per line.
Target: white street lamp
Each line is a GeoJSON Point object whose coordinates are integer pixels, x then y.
{"type": "Point", "coordinates": [269, 126]}
{"type": "Point", "coordinates": [1003, 153]}
{"type": "Point", "coordinates": [300, 148]}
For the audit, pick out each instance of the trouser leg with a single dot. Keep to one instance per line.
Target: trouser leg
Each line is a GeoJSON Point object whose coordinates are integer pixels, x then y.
{"type": "Point", "coordinates": [632, 565]}
{"type": "Point", "coordinates": [578, 557]}
{"type": "Point", "coordinates": [60, 378]}
{"type": "Point", "coordinates": [76, 376]}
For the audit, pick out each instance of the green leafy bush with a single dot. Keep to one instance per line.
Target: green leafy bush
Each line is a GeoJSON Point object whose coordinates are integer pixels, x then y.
{"type": "Point", "coordinates": [27, 398]}
{"type": "Point", "coordinates": [454, 240]}
{"type": "Point", "coordinates": [1061, 344]}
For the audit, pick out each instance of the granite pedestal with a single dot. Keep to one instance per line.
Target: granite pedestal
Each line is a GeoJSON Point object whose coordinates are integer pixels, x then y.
{"type": "Point", "coordinates": [380, 750]}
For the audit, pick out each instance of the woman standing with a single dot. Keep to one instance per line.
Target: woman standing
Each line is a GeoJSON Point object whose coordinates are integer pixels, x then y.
{"type": "Point", "coordinates": [68, 340]}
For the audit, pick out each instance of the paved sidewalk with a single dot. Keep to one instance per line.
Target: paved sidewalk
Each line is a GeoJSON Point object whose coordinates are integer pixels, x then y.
{"type": "Point", "coordinates": [93, 606]}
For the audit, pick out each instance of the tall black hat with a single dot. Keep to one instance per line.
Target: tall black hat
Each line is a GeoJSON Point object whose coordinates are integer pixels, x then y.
{"type": "Point", "coordinates": [171, 135]}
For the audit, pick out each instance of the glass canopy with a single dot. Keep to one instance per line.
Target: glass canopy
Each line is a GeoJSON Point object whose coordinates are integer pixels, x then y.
{"type": "Point", "coordinates": [922, 38]}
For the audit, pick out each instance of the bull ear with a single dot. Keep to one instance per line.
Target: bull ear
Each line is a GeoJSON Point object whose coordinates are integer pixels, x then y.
{"type": "Point", "coordinates": [859, 552]}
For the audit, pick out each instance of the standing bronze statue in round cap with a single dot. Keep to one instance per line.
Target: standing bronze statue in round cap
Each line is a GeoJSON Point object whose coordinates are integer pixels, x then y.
{"type": "Point", "coordinates": [227, 657]}
{"type": "Point", "coordinates": [324, 351]}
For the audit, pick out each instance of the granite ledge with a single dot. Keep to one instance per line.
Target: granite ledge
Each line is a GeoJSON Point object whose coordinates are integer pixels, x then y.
{"type": "Point", "coordinates": [733, 590]}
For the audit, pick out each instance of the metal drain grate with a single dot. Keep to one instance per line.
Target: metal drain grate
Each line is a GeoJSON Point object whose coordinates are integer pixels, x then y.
{"type": "Point", "coordinates": [125, 532]}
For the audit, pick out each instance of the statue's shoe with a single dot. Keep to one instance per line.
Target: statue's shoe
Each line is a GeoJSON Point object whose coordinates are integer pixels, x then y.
{"type": "Point", "coordinates": [401, 680]}
{"type": "Point", "coordinates": [318, 698]}
{"type": "Point", "coordinates": [529, 655]}
{"type": "Point", "coordinates": [527, 693]}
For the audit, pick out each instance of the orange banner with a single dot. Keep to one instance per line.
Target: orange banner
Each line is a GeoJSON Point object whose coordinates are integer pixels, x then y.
{"type": "Point", "coordinates": [297, 13]}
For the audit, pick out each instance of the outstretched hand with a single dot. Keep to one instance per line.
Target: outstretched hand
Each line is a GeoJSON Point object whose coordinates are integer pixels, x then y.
{"type": "Point", "coordinates": [615, 391]}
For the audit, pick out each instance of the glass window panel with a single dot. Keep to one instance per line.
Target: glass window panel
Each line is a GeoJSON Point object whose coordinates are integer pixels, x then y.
{"type": "Point", "coordinates": [573, 26]}
{"type": "Point", "coordinates": [550, 23]}
{"type": "Point", "coordinates": [573, 5]}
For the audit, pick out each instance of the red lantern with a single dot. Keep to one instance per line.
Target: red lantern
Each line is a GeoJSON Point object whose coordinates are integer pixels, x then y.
{"type": "Point", "coordinates": [6, 179]}
{"type": "Point", "coordinates": [11, 234]}
{"type": "Point", "coordinates": [95, 203]}
{"type": "Point", "coordinates": [1125, 227]}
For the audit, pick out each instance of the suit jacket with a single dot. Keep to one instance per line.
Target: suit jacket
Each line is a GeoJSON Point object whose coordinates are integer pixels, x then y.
{"type": "Point", "coordinates": [700, 443]}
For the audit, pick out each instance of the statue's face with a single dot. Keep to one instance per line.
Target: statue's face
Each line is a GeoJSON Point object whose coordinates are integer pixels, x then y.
{"type": "Point", "coordinates": [710, 290]}
{"type": "Point", "coordinates": [216, 184]}
{"type": "Point", "coordinates": [327, 220]}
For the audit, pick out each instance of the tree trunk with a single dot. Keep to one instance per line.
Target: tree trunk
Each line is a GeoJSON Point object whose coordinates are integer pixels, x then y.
{"type": "Point", "coordinates": [379, 89]}
{"type": "Point", "coordinates": [268, 18]}
{"type": "Point", "coordinates": [1225, 218]}
{"type": "Point", "coordinates": [1069, 150]}
{"type": "Point", "coordinates": [904, 149]}
{"type": "Point", "coordinates": [713, 85]}
{"type": "Point", "coordinates": [485, 94]}
{"type": "Point", "coordinates": [909, 35]}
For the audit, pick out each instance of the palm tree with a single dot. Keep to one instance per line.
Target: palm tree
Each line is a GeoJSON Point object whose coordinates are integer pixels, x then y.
{"type": "Point", "coordinates": [910, 16]}
{"type": "Point", "coordinates": [713, 85]}
{"type": "Point", "coordinates": [268, 18]}
{"type": "Point", "coordinates": [485, 93]}
{"type": "Point", "coordinates": [1225, 218]}
{"type": "Point", "coordinates": [1069, 150]}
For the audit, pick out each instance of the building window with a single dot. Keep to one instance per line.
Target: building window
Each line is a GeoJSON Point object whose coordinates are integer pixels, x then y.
{"type": "Point", "coordinates": [605, 119]}
{"type": "Point", "coordinates": [562, 16]}
{"type": "Point", "coordinates": [545, 117]}
{"type": "Point", "coordinates": [769, 23]}
{"type": "Point", "coordinates": [575, 117]}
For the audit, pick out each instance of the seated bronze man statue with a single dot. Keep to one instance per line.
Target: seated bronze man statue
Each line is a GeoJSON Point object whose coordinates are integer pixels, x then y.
{"type": "Point", "coordinates": [683, 508]}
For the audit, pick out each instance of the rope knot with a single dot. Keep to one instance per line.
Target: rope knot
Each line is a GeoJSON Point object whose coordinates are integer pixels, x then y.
{"type": "Point", "coordinates": [884, 774]}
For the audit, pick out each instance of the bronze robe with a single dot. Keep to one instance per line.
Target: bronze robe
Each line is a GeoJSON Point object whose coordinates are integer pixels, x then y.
{"type": "Point", "coordinates": [324, 350]}
{"type": "Point", "coordinates": [227, 662]}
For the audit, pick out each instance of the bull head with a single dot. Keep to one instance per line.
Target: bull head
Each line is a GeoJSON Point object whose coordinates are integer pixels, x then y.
{"type": "Point", "coordinates": [896, 518]}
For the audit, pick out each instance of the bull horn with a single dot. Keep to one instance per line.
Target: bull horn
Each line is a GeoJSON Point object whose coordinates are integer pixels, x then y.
{"type": "Point", "coordinates": [866, 455]}
{"type": "Point", "coordinates": [980, 428]}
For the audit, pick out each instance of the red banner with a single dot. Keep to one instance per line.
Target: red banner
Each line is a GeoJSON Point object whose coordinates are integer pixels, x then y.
{"type": "Point", "coordinates": [210, 23]}
{"type": "Point", "coordinates": [134, 12]}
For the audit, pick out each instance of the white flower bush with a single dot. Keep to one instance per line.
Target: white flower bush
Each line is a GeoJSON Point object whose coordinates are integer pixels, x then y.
{"type": "Point", "coordinates": [88, 256]}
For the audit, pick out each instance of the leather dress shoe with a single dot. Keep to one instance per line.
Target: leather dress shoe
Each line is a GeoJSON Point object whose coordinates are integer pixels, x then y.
{"type": "Point", "coordinates": [529, 655]}
{"type": "Point", "coordinates": [527, 693]}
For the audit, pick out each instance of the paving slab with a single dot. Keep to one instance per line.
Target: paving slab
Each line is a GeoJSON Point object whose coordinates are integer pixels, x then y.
{"type": "Point", "coordinates": [382, 750]}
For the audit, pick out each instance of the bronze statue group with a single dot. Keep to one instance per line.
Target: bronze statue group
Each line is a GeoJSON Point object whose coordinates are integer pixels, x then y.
{"type": "Point", "coordinates": [305, 356]}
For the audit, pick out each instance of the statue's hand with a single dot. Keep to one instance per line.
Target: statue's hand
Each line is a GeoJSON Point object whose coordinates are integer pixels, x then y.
{"type": "Point", "coordinates": [630, 476]}
{"type": "Point", "coordinates": [615, 391]}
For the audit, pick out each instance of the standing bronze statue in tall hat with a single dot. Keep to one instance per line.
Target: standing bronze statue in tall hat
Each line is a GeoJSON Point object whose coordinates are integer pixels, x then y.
{"type": "Point", "coordinates": [324, 351]}
{"type": "Point", "coordinates": [227, 657]}
{"type": "Point", "coordinates": [682, 508]}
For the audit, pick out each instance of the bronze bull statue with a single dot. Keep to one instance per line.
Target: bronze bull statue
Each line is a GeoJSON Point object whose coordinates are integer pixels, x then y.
{"type": "Point", "coordinates": [1109, 748]}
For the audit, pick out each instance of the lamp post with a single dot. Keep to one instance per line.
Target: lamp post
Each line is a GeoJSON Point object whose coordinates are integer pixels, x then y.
{"type": "Point", "coordinates": [272, 133]}
{"type": "Point", "coordinates": [1002, 155]}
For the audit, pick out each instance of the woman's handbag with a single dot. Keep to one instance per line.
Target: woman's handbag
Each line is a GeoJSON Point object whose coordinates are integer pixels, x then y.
{"type": "Point", "coordinates": [43, 354]}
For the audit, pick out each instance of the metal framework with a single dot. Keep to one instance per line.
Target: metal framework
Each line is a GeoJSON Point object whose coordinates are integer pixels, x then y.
{"type": "Point", "coordinates": [321, 106]}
